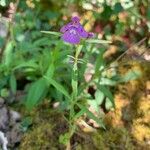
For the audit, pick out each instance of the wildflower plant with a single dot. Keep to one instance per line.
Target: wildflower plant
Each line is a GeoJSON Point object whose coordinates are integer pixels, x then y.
{"type": "Point", "coordinates": [75, 34]}
{"type": "Point", "coordinates": [43, 63]}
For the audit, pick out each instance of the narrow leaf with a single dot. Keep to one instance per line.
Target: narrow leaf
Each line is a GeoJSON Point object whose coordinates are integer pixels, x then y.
{"type": "Point", "coordinates": [80, 113]}
{"type": "Point", "coordinates": [97, 41]}
{"type": "Point", "coordinates": [52, 33]}
{"type": "Point", "coordinates": [29, 64]}
{"type": "Point", "coordinates": [13, 83]}
{"type": "Point", "coordinates": [58, 86]}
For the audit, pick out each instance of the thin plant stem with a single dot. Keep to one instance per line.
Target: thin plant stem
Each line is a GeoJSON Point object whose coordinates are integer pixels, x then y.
{"type": "Point", "coordinates": [74, 84]}
{"type": "Point", "coordinates": [74, 81]}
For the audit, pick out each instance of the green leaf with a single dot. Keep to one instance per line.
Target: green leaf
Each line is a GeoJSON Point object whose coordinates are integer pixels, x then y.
{"type": "Point", "coordinates": [64, 138]}
{"type": "Point", "coordinates": [107, 93]}
{"type": "Point", "coordinates": [58, 86]}
{"type": "Point", "coordinates": [52, 33]}
{"type": "Point", "coordinates": [4, 93]}
{"type": "Point", "coordinates": [99, 97]}
{"type": "Point", "coordinates": [50, 71]}
{"type": "Point", "coordinates": [108, 104]}
{"type": "Point", "coordinates": [30, 64]}
{"type": "Point", "coordinates": [42, 42]}
{"type": "Point", "coordinates": [80, 113]}
{"type": "Point", "coordinates": [107, 12]}
{"type": "Point", "coordinates": [8, 54]}
{"type": "Point", "coordinates": [97, 41]}
{"type": "Point", "coordinates": [148, 13]}
{"type": "Point", "coordinates": [36, 92]}
{"type": "Point", "coordinates": [107, 81]}
{"type": "Point", "coordinates": [13, 83]}
{"type": "Point", "coordinates": [99, 61]}
{"type": "Point", "coordinates": [118, 8]}
{"type": "Point", "coordinates": [94, 105]}
{"type": "Point", "coordinates": [91, 115]}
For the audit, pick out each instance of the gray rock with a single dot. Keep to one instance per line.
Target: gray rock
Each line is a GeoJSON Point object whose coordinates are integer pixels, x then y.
{"type": "Point", "coordinates": [10, 124]}
{"type": "Point", "coordinates": [4, 118]}
{"type": "Point", "coordinates": [14, 135]}
{"type": "Point", "coordinates": [15, 115]}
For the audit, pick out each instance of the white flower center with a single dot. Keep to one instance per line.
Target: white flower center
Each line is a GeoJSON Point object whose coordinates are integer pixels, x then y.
{"type": "Point", "coordinates": [73, 31]}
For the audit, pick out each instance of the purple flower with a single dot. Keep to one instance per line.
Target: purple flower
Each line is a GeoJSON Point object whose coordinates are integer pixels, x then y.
{"type": "Point", "coordinates": [74, 31]}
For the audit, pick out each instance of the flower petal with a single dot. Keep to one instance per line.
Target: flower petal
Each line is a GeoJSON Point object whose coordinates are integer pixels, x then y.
{"type": "Point", "coordinates": [90, 35]}
{"type": "Point", "coordinates": [75, 19]}
{"type": "Point", "coordinates": [82, 32]}
{"type": "Point", "coordinates": [71, 36]}
{"type": "Point", "coordinates": [65, 27]}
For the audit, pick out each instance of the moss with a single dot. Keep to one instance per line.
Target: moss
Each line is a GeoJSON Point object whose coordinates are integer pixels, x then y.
{"type": "Point", "coordinates": [40, 138]}
{"type": "Point", "coordinates": [48, 125]}
{"type": "Point", "coordinates": [45, 131]}
{"type": "Point", "coordinates": [114, 138]}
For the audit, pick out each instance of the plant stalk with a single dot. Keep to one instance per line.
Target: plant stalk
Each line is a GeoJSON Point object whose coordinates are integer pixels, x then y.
{"type": "Point", "coordinates": [74, 84]}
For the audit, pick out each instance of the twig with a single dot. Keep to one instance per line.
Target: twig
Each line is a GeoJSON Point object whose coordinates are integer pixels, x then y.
{"type": "Point", "coordinates": [136, 44]}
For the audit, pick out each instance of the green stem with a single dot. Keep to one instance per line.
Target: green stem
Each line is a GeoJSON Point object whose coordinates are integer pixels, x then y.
{"type": "Point", "coordinates": [74, 81]}
{"type": "Point", "coordinates": [74, 84]}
